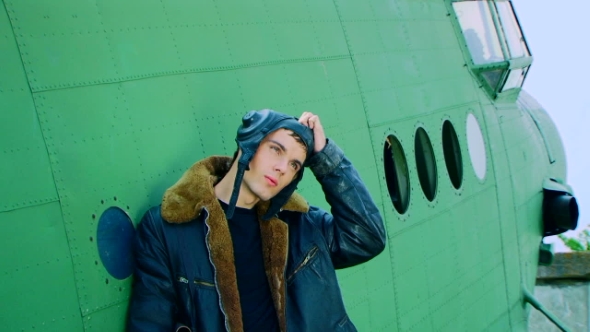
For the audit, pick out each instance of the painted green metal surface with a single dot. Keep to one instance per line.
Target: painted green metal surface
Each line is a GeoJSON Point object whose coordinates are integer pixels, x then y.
{"type": "Point", "coordinates": [107, 103]}
{"type": "Point", "coordinates": [38, 290]}
{"type": "Point", "coordinates": [24, 160]}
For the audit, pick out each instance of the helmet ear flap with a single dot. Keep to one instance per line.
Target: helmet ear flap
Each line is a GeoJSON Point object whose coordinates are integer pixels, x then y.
{"type": "Point", "coordinates": [255, 125]}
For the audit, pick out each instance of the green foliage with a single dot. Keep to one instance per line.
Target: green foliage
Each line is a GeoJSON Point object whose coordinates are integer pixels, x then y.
{"type": "Point", "coordinates": [580, 243]}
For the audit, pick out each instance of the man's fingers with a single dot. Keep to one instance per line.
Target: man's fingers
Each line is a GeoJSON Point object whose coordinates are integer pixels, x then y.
{"type": "Point", "coordinates": [304, 119]}
{"type": "Point", "coordinates": [314, 122]}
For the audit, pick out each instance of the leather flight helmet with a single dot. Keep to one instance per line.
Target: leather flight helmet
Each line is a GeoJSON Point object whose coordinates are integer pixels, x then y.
{"type": "Point", "coordinates": [254, 128]}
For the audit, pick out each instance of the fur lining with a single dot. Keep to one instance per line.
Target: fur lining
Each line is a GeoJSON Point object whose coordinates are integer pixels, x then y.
{"type": "Point", "coordinates": [192, 194]}
{"type": "Point", "coordinates": [275, 248]}
{"type": "Point", "coordinates": [221, 254]}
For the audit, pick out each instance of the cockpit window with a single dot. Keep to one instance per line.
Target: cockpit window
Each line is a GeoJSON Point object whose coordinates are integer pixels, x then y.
{"type": "Point", "coordinates": [516, 44]}
{"type": "Point", "coordinates": [499, 55]}
{"type": "Point", "coordinates": [479, 31]}
{"type": "Point", "coordinates": [492, 77]}
{"type": "Point", "coordinates": [515, 79]}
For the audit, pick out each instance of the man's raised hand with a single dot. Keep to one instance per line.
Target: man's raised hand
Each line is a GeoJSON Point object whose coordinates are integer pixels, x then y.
{"type": "Point", "coordinates": [313, 122]}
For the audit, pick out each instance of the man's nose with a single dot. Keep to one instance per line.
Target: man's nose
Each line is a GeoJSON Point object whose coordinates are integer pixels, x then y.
{"type": "Point", "coordinates": [281, 165]}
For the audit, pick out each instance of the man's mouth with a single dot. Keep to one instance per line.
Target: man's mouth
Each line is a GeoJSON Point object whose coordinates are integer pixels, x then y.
{"type": "Point", "coordinates": [272, 181]}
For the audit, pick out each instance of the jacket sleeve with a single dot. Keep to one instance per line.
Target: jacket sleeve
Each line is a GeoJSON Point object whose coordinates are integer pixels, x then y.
{"type": "Point", "coordinates": [152, 306]}
{"type": "Point", "coordinates": [354, 230]}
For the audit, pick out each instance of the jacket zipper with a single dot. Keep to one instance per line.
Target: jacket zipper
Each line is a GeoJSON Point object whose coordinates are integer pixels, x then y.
{"type": "Point", "coordinates": [284, 274]}
{"type": "Point", "coordinates": [226, 321]}
{"type": "Point", "coordinates": [306, 260]}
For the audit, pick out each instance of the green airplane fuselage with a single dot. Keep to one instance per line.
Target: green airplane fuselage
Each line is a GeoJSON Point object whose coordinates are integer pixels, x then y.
{"type": "Point", "coordinates": [105, 104]}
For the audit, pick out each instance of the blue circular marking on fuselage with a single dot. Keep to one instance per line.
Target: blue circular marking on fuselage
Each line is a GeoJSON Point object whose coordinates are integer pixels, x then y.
{"type": "Point", "coordinates": [114, 239]}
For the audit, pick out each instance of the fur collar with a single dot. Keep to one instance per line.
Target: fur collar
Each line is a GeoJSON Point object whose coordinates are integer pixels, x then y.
{"type": "Point", "coordinates": [192, 194]}
{"type": "Point", "coordinates": [185, 200]}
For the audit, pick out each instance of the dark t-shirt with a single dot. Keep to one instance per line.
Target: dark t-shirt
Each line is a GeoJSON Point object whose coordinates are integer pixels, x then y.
{"type": "Point", "coordinates": [258, 311]}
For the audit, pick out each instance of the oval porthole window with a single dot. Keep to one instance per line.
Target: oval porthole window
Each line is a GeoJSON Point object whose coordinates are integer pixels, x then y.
{"type": "Point", "coordinates": [475, 144]}
{"type": "Point", "coordinates": [396, 174]}
{"type": "Point", "coordinates": [452, 152]}
{"type": "Point", "coordinates": [425, 163]}
{"type": "Point", "coordinates": [115, 234]}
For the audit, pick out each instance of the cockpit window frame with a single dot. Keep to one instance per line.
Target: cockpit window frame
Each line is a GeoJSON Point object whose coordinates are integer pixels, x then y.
{"type": "Point", "coordinates": [482, 72]}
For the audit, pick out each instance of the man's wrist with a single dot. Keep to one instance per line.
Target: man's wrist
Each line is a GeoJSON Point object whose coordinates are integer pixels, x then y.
{"type": "Point", "coordinates": [325, 161]}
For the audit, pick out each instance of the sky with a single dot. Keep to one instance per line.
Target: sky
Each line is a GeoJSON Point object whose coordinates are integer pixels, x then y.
{"type": "Point", "coordinates": [556, 33]}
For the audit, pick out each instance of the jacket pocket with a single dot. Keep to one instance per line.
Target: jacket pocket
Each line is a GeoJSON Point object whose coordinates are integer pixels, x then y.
{"type": "Point", "coordinates": [346, 325]}
{"type": "Point", "coordinates": [306, 260]}
{"type": "Point", "coordinates": [205, 284]}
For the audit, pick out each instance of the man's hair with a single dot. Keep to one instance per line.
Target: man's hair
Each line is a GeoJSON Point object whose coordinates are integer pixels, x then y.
{"type": "Point", "coordinates": [293, 134]}
{"type": "Point", "coordinates": [298, 139]}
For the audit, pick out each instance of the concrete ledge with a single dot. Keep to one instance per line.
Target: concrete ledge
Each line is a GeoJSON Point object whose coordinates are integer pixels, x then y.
{"type": "Point", "coordinates": [567, 265]}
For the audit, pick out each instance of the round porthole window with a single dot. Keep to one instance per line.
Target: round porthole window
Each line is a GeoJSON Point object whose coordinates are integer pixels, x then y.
{"type": "Point", "coordinates": [475, 144]}
{"type": "Point", "coordinates": [425, 163]}
{"type": "Point", "coordinates": [452, 152]}
{"type": "Point", "coordinates": [396, 174]}
{"type": "Point", "coordinates": [115, 235]}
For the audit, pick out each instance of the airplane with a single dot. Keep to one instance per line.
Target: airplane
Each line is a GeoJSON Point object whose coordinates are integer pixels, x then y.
{"type": "Point", "coordinates": [104, 104]}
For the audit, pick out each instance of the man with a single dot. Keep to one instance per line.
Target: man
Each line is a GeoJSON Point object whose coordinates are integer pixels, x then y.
{"type": "Point", "coordinates": [233, 248]}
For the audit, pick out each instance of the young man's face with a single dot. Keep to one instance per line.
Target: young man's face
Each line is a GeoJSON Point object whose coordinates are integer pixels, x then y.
{"type": "Point", "coordinates": [276, 163]}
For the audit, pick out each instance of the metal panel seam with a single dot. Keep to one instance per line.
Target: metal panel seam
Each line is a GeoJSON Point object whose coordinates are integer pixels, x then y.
{"type": "Point", "coordinates": [493, 171]}
{"type": "Point", "coordinates": [375, 157]}
{"type": "Point", "coordinates": [358, 84]}
{"type": "Point", "coordinates": [12, 25]}
{"type": "Point", "coordinates": [33, 204]}
{"type": "Point", "coordinates": [43, 133]}
{"type": "Point", "coordinates": [186, 71]}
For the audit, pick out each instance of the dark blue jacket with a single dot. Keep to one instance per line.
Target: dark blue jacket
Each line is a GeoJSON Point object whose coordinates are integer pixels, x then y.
{"type": "Point", "coordinates": [185, 274]}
